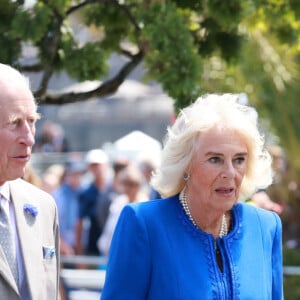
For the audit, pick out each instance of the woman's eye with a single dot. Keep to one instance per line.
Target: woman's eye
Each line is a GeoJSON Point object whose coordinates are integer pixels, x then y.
{"type": "Point", "coordinates": [240, 160]}
{"type": "Point", "coordinates": [214, 159]}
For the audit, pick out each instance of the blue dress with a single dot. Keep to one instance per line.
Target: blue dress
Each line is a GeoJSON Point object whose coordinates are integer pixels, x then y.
{"type": "Point", "coordinates": [158, 254]}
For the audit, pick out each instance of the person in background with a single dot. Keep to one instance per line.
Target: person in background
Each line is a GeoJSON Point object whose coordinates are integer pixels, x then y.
{"type": "Point", "coordinates": [51, 139]}
{"type": "Point", "coordinates": [32, 176]}
{"type": "Point", "coordinates": [98, 166]}
{"type": "Point", "coordinates": [66, 196]}
{"type": "Point", "coordinates": [262, 199]}
{"type": "Point", "coordinates": [28, 215]}
{"type": "Point", "coordinates": [148, 165]}
{"type": "Point", "coordinates": [272, 198]}
{"type": "Point", "coordinates": [52, 177]}
{"type": "Point", "coordinates": [201, 241]}
{"type": "Point", "coordinates": [114, 189]}
{"type": "Point", "coordinates": [67, 201]}
{"type": "Point", "coordinates": [119, 164]}
{"type": "Point", "coordinates": [131, 180]}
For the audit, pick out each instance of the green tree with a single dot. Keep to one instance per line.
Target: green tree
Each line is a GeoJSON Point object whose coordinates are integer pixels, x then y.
{"type": "Point", "coordinates": [189, 47]}
{"type": "Point", "coordinates": [172, 38]}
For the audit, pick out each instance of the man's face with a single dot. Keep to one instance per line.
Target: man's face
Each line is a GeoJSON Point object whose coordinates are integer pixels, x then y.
{"type": "Point", "coordinates": [17, 129]}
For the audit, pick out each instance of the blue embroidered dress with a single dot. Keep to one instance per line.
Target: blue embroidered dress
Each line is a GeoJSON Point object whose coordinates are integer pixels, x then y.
{"type": "Point", "coordinates": [158, 254]}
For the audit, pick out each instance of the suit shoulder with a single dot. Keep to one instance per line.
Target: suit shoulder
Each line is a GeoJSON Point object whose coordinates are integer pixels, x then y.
{"type": "Point", "coordinates": [30, 189]}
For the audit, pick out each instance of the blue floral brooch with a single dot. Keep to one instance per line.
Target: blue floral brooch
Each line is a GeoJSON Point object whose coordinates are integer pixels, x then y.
{"type": "Point", "coordinates": [31, 210]}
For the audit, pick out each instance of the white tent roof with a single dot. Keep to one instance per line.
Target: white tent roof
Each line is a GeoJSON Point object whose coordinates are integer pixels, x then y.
{"type": "Point", "coordinates": [137, 145]}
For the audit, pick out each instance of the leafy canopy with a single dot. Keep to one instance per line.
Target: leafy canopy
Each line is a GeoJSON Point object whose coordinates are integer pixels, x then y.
{"type": "Point", "coordinates": [189, 47]}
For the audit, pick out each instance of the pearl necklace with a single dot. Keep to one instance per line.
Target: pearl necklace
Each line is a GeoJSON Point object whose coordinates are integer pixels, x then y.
{"type": "Point", "coordinates": [184, 202]}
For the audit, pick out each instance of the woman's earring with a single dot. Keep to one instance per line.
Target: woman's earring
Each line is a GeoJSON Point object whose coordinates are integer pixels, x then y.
{"type": "Point", "coordinates": [186, 176]}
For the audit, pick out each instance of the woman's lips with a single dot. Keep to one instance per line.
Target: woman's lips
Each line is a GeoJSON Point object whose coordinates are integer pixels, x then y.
{"type": "Point", "coordinates": [225, 191]}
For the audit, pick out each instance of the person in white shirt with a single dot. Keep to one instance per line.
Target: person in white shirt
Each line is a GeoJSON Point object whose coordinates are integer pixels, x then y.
{"type": "Point", "coordinates": [132, 181]}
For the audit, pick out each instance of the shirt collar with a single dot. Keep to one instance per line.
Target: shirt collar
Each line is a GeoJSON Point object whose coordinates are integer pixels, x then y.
{"type": "Point", "coordinates": [4, 191]}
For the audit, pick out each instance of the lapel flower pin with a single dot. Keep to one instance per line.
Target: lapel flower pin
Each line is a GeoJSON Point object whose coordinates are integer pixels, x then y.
{"type": "Point", "coordinates": [30, 209]}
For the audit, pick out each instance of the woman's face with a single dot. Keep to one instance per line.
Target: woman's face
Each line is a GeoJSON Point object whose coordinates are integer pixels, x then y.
{"type": "Point", "coordinates": [217, 169]}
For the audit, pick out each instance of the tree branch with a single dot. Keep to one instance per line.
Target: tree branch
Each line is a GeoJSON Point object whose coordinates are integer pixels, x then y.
{"type": "Point", "coordinates": [32, 68]}
{"type": "Point", "coordinates": [104, 89]}
{"type": "Point", "coordinates": [126, 10]}
{"type": "Point", "coordinates": [80, 5]}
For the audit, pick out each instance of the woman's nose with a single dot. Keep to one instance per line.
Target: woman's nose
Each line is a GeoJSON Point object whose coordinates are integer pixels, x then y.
{"type": "Point", "coordinates": [228, 171]}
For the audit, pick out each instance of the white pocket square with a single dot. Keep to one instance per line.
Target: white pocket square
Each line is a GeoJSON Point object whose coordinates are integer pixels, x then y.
{"type": "Point", "coordinates": [48, 252]}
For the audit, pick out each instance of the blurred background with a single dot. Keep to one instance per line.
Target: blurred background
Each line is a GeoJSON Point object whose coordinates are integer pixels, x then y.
{"type": "Point", "coordinates": [112, 75]}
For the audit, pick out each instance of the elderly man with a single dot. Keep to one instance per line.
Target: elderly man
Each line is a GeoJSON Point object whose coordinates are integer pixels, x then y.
{"type": "Point", "coordinates": [29, 239]}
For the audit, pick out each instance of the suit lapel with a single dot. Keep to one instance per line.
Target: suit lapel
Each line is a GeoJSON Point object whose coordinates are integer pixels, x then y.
{"type": "Point", "coordinates": [6, 272]}
{"type": "Point", "coordinates": [29, 235]}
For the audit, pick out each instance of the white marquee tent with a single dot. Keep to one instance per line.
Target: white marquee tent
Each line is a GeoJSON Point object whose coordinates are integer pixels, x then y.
{"type": "Point", "coordinates": [135, 145]}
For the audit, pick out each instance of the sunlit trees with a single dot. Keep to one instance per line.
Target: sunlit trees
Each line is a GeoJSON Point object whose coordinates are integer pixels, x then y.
{"type": "Point", "coordinates": [189, 47]}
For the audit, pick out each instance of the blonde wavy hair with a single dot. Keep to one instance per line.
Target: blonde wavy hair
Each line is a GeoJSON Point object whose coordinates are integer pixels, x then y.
{"type": "Point", "coordinates": [182, 142]}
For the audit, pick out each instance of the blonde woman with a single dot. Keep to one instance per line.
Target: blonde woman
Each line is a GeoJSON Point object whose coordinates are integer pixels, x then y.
{"type": "Point", "coordinates": [200, 241]}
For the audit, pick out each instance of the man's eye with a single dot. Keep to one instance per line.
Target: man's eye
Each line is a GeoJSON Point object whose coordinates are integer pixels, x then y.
{"type": "Point", "coordinates": [31, 121]}
{"type": "Point", "coordinates": [14, 123]}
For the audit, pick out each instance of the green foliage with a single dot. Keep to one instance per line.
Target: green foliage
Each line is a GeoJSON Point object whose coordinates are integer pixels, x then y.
{"type": "Point", "coordinates": [281, 19]}
{"type": "Point", "coordinates": [291, 287]}
{"type": "Point", "coordinates": [228, 42]}
{"type": "Point", "coordinates": [291, 257]}
{"type": "Point", "coordinates": [189, 47]}
{"type": "Point", "coordinates": [10, 46]}
{"type": "Point", "coordinates": [172, 57]}
{"type": "Point", "coordinates": [89, 68]}
{"type": "Point", "coordinates": [101, 16]}
{"type": "Point", "coordinates": [58, 5]}
{"type": "Point", "coordinates": [31, 26]}
{"type": "Point", "coordinates": [228, 13]}
{"type": "Point", "coordinates": [191, 4]}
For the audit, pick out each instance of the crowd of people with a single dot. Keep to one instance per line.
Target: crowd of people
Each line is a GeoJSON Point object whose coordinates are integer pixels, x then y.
{"type": "Point", "coordinates": [89, 192]}
{"type": "Point", "coordinates": [155, 224]}
{"type": "Point", "coordinates": [92, 191]}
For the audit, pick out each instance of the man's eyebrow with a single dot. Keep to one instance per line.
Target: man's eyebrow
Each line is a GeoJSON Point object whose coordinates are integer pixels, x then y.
{"type": "Point", "coordinates": [37, 116]}
{"type": "Point", "coordinates": [16, 116]}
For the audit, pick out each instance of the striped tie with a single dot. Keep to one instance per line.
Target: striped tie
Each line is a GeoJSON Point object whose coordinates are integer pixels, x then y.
{"type": "Point", "coordinates": [7, 241]}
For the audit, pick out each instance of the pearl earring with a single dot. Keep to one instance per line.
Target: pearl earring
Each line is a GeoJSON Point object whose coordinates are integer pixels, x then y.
{"type": "Point", "coordinates": [186, 176]}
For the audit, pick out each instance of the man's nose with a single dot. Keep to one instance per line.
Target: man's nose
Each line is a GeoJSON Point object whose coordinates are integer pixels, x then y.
{"type": "Point", "coordinates": [27, 134]}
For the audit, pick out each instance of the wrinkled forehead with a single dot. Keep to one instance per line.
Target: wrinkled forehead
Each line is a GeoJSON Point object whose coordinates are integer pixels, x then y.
{"type": "Point", "coordinates": [217, 135]}
{"type": "Point", "coordinates": [16, 100]}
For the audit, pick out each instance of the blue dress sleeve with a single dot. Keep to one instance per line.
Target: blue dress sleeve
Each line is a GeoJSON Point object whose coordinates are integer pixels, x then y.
{"type": "Point", "coordinates": [277, 276]}
{"type": "Point", "coordinates": [129, 264]}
